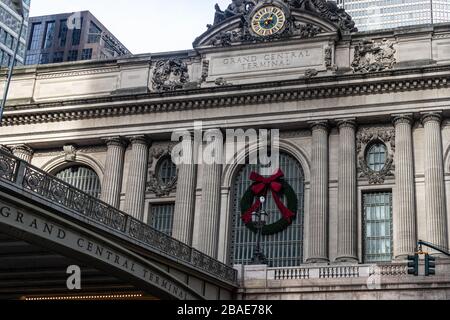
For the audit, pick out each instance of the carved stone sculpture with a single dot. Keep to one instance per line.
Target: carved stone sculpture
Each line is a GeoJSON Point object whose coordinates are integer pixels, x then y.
{"type": "Point", "coordinates": [235, 8]}
{"type": "Point", "coordinates": [371, 56]}
{"type": "Point", "coordinates": [154, 183]}
{"type": "Point", "coordinates": [366, 137]}
{"type": "Point", "coordinates": [170, 75]}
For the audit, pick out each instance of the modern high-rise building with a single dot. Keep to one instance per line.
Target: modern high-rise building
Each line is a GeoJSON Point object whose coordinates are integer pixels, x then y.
{"type": "Point", "coordinates": [9, 32]}
{"type": "Point", "coordinates": [384, 14]}
{"type": "Point", "coordinates": [70, 37]}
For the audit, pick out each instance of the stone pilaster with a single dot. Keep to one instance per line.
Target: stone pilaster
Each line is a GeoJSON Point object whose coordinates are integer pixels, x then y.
{"type": "Point", "coordinates": [318, 220]}
{"type": "Point", "coordinates": [112, 180]}
{"type": "Point", "coordinates": [347, 217]}
{"type": "Point", "coordinates": [405, 228]}
{"type": "Point", "coordinates": [23, 152]}
{"type": "Point", "coordinates": [437, 232]}
{"type": "Point", "coordinates": [183, 219]}
{"type": "Point", "coordinates": [137, 178]}
{"type": "Point", "coordinates": [210, 203]}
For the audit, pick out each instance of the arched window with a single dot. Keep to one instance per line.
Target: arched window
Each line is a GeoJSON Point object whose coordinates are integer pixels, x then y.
{"type": "Point", "coordinates": [83, 178]}
{"type": "Point", "coordinates": [167, 171]}
{"type": "Point", "coordinates": [284, 249]}
{"type": "Point", "coordinates": [376, 157]}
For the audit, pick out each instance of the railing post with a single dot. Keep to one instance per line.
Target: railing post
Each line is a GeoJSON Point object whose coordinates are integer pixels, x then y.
{"type": "Point", "coordinates": [127, 225]}
{"type": "Point", "coordinates": [20, 174]}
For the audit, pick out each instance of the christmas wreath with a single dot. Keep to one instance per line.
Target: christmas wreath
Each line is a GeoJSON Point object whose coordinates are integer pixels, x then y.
{"type": "Point", "coordinates": [250, 202]}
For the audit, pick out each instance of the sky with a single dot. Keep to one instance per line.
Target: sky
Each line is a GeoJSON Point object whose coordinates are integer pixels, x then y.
{"type": "Point", "coordinates": [143, 26]}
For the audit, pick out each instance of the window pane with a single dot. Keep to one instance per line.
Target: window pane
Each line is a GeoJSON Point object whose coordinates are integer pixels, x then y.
{"type": "Point", "coordinates": [83, 178]}
{"type": "Point", "coordinates": [377, 227]}
{"type": "Point", "coordinates": [35, 36]}
{"type": "Point", "coordinates": [63, 33]}
{"type": "Point", "coordinates": [162, 217]}
{"type": "Point", "coordinates": [376, 157]}
{"type": "Point", "coordinates": [94, 33]}
{"type": "Point", "coordinates": [284, 249]}
{"type": "Point", "coordinates": [49, 34]}
{"type": "Point", "coordinates": [76, 34]}
{"type": "Point", "coordinates": [167, 171]}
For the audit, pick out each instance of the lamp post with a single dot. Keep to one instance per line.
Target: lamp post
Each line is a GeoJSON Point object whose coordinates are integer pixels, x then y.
{"type": "Point", "coordinates": [259, 220]}
{"type": "Point", "coordinates": [18, 4]}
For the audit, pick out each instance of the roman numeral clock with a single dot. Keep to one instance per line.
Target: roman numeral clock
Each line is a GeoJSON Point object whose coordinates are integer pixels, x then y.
{"type": "Point", "coordinates": [268, 20]}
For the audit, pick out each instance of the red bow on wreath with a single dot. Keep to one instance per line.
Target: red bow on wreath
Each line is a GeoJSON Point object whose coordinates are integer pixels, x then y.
{"type": "Point", "coordinates": [260, 188]}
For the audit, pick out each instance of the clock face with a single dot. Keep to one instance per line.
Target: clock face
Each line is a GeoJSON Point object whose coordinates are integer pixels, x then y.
{"type": "Point", "coordinates": [268, 20]}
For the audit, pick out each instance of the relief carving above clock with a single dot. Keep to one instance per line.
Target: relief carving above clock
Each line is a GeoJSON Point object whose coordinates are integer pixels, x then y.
{"type": "Point", "coordinates": [253, 21]}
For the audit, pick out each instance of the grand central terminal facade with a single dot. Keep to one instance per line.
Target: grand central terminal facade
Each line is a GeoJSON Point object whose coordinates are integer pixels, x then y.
{"type": "Point", "coordinates": [364, 146]}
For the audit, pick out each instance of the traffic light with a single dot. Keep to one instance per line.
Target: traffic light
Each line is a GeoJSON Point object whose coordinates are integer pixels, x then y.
{"type": "Point", "coordinates": [413, 264]}
{"type": "Point", "coordinates": [430, 264]}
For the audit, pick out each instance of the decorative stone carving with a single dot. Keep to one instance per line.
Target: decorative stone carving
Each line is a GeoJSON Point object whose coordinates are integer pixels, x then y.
{"type": "Point", "coordinates": [305, 30]}
{"type": "Point", "coordinates": [70, 152]}
{"type": "Point", "coordinates": [221, 82]}
{"type": "Point", "coordinates": [365, 138]}
{"type": "Point", "coordinates": [310, 73]}
{"type": "Point", "coordinates": [328, 57]}
{"type": "Point", "coordinates": [371, 56]}
{"type": "Point", "coordinates": [170, 75]}
{"type": "Point", "coordinates": [154, 184]}
{"type": "Point", "coordinates": [226, 38]}
{"type": "Point", "coordinates": [293, 28]}
{"type": "Point", "coordinates": [326, 9]}
{"type": "Point", "coordinates": [5, 148]}
{"type": "Point", "coordinates": [205, 70]}
{"type": "Point", "coordinates": [237, 7]}
{"type": "Point", "coordinates": [23, 152]}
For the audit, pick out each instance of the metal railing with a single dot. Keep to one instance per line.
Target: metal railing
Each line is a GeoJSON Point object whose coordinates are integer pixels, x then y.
{"type": "Point", "coordinates": [30, 179]}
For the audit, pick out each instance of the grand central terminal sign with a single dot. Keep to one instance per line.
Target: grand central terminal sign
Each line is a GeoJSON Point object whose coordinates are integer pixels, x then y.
{"type": "Point", "coordinates": [267, 63]}
{"type": "Point", "coordinates": [73, 242]}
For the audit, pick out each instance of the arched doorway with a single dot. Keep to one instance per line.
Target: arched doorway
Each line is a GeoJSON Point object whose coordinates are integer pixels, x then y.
{"type": "Point", "coordinates": [284, 249]}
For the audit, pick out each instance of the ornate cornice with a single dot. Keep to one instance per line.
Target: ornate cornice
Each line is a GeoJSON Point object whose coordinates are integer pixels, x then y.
{"type": "Point", "coordinates": [240, 95]}
{"type": "Point", "coordinates": [431, 116]}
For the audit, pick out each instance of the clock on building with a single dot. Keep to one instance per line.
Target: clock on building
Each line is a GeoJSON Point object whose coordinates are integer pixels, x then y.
{"type": "Point", "coordinates": [268, 21]}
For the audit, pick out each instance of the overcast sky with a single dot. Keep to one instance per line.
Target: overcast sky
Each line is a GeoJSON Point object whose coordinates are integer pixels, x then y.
{"type": "Point", "coordinates": [143, 25]}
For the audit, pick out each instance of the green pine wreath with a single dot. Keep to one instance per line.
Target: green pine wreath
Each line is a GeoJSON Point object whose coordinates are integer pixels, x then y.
{"type": "Point", "coordinates": [280, 225]}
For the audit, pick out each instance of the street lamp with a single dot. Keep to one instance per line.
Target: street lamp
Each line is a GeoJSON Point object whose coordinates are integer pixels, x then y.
{"type": "Point", "coordinates": [18, 5]}
{"type": "Point", "coordinates": [259, 219]}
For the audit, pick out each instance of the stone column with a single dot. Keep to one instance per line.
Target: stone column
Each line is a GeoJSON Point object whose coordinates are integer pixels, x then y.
{"type": "Point", "coordinates": [405, 229]}
{"type": "Point", "coordinates": [347, 218]}
{"type": "Point", "coordinates": [434, 181]}
{"type": "Point", "coordinates": [318, 220]}
{"type": "Point", "coordinates": [23, 152]}
{"type": "Point", "coordinates": [210, 203]}
{"type": "Point", "coordinates": [183, 219]}
{"type": "Point", "coordinates": [112, 179]}
{"type": "Point", "coordinates": [137, 178]}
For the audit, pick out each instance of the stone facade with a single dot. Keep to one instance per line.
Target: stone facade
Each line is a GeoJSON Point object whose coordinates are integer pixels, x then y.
{"type": "Point", "coordinates": [332, 94]}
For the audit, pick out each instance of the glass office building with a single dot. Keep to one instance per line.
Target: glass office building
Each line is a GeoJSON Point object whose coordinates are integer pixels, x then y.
{"type": "Point", "coordinates": [384, 14]}
{"type": "Point", "coordinates": [70, 37]}
{"type": "Point", "coordinates": [9, 32]}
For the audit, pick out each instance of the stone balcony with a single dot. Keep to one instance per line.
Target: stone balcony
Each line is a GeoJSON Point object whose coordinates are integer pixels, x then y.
{"type": "Point", "coordinates": [343, 281]}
